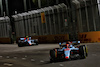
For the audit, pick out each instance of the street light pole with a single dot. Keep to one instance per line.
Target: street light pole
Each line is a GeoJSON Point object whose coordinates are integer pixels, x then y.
{"type": "Point", "coordinates": [47, 2]}
{"type": "Point", "coordinates": [25, 6]}
{"type": "Point", "coordinates": [7, 11]}
{"type": "Point", "coordinates": [1, 6]}
{"type": "Point", "coordinates": [57, 1]}
{"type": "Point", "coordinates": [39, 3]}
{"type": "Point", "coordinates": [29, 5]}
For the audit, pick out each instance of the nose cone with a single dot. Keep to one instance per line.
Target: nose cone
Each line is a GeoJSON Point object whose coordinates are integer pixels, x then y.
{"type": "Point", "coordinates": [66, 57]}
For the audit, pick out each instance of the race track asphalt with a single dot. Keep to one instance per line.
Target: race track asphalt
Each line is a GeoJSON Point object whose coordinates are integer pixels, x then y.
{"type": "Point", "coordinates": [38, 56]}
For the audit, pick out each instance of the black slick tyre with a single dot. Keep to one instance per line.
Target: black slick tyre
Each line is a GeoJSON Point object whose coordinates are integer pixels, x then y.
{"type": "Point", "coordinates": [52, 56]}
{"type": "Point", "coordinates": [86, 50]}
{"type": "Point", "coordinates": [36, 43]}
{"type": "Point", "coordinates": [19, 44]}
{"type": "Point", "coordinates": [82, 52]}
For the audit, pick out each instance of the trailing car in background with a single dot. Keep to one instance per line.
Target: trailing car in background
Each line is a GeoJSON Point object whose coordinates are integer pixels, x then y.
{"type": "Point", "coordinates": [25, 41]}
{"type": "Point", "coordinates": [68, 51]}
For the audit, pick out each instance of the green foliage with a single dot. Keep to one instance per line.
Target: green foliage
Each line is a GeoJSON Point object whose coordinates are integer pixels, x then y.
{"type": "Point", "coordinates": [43, 3]}
{"type": "Point", "coordinates": [35, 3]}
{"type": "Point", "coordinates": [52, 2]}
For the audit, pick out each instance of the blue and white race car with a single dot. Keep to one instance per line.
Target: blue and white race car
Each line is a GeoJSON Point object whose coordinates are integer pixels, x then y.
{"type": "Point", "coordinates": [25, 41]}
{"type": "Point", "coordinates": [68, 51]}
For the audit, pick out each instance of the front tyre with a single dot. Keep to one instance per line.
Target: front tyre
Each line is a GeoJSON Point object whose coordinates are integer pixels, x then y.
{"type": "Point", "coordinates": [36, 42]}
{"type": "Point", "coordinates": [82, 52]}
{"type": "Point", "coordinates": [86, 50]}
{"type": "Point", "coordinates": [53, 55]}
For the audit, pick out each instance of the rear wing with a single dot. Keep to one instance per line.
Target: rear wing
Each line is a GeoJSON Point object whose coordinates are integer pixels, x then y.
{"type": "Point", "coordinates": [23, 38]}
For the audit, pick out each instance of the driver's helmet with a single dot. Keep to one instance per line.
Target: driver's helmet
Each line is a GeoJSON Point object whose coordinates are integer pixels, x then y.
{"type": "Point", "coordinates": [69, 42]}
{"type": "Point", "coordinates": [26, 36]}
{"type": "Point", "coordinates": [67, 45]}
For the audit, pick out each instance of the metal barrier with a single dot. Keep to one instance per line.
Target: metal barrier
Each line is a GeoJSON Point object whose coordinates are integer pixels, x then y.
{"type": "Point", "coordinates": [59, 19]}
{"type": "Point", "coordinates": [44, 21]}
{"type": "Point", "coordinates": [19, 25]}
{"type": "Point", "coordinates": [5, 30]}
{"type": "Point", "coordinates": [4, 27]}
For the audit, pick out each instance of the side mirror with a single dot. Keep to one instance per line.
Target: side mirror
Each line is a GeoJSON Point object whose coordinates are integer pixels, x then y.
{"type": "Point", "coordinates": [79, 42]}
{"type": "Point", "coordinates": [60, 43]}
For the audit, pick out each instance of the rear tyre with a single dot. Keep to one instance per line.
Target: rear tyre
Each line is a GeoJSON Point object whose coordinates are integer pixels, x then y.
{"type": "Point", "coordinates": [19, 44]}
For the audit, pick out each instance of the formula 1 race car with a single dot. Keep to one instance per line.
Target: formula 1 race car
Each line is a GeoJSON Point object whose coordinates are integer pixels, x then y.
{"type": "Point", "coordinates": [27, 41]}
{"type": "Point", "coordinates": [68, 51]}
